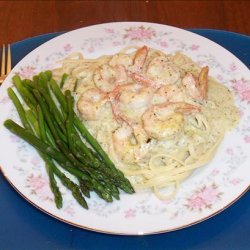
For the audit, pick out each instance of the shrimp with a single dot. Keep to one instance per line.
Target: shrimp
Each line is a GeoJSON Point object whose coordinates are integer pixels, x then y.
{"type": "Point", "coordinates": [197, 87]}
{"type": "Point", "coordinates": [130, 101]}
{"type": "Point", "coordinates": [139, 59]}
{"type": "Point", "coordinates": [90, 102]}
{"type": "Point", "coordinates": [140, 79]}
{"type": "Point", "coordinates": [169, 93]}
{"type": "Point", "coordinates": [162, 71]}
{"type": "Point", "coordinates": [166, 121]}
{"type": "Point", "coordinates": [127, 146]}
{"type": "Point", "coordinates": [106, 77]}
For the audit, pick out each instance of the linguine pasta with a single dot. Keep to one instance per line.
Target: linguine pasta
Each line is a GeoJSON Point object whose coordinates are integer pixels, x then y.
{"type": "Point", "coordinates": [158, 116]}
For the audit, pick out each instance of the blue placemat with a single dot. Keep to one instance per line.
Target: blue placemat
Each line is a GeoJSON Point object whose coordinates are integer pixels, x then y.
{"type": "Point", "coordinates": [22, 226]}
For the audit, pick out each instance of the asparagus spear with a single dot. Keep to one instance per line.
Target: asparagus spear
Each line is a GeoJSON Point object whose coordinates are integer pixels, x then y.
{"type": "Point", "coordinates": [55, 154]}
{"type": "Point", "coordinates": [24, 92]}
{"type": "Point", "coordinates": [64, 77]}
{"type": "Point", "coordinates": [59, 139]}
{"type": "Point", "coordinates": [69, 121]}
{"type": "Point", "coordinates": [49, 163]}
{"type": "Point", "coordinates": [21, 112]}
{"type": "Point", "coordinates": [93, 174]}
{"type": "Point", "coordinates": [19, 108]}
{"type": "Point", "coordinates": [52, 182]}
{"type": "Point", "coordinates": [97, 174]}
{"type": "Point", "coordinates": [124, 183]}
{"type": "Point", "coordinates": [72, 186]}
{"type": "Point", "coordinates": [84, 188]}
{"type": "Point", "coordinates": [50, 166]}
{"type": "Point", "coordinates": [42, 86]}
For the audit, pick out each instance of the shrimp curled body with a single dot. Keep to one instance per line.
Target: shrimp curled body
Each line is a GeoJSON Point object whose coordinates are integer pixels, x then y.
{"type": "Point", "coordinates": [90, 103]}
{"type": "Point", "coordinates": [127, 146]}
{"type": "Point", "coordinates": [166, 121]}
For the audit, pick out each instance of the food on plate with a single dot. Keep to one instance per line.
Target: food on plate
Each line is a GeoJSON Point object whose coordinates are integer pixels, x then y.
{"type": "Point", "coordinates": [70, 152]}
{"type": "Point", "coordinates": [158, 116]}
{"type": "Point", "coordinates": [139, 119]}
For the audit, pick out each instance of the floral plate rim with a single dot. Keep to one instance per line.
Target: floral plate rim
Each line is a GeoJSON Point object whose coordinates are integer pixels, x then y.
{"type": "Point", "coordinates": [124, 233]}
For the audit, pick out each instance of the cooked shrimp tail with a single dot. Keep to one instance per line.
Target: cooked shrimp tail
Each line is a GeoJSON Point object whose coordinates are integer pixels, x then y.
{"type": "Point", "coordinates": [185, 108]}
{"type": "Point", "coordinates": [197, 87]}
{"type": "Point", "coordinates": [203, 82]}
{"type": "Point", "coordinates": [143, 80]}
{"type": "Point", "coordinates": [139, 59]}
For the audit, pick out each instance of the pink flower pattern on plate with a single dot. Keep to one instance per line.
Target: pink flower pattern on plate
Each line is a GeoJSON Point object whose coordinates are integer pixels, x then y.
{"type": "Point", "coordinates": [116, 43]}
{"type": "Point", "coordinates": [4, 100]}
{"type": "Point", "coordinates": [35, 160]}
{"type": "Point", "coordinates": [109, 31]}
{"type": "Point", "coordinates": [242, 88]}
{"type": "Point", "coordinates": [232, 67]}
{"type": "Point", "coordinates": [67, 47]}
{"type": "Point", "coordinates": [219, 77]}
{"type": "Point", "coordinates": [139, 33]}
{"type": "Point", "coordinates": [200, 63]}
{"type": "Point", "coordinates": [39, 185]}
{"type": "Point", "coordinates": [69, 210]}
{"type": "Point", "coordinates": [91, 49]}
{"type": "Point", "coordinates": [229, 151]}
{"type": "Point", "coordinates": [194, 47]}
{"type": "Point", "coordinates": [130, 213]}
{"type": "Point", "coordinates": [203, 198]}
{"type": "Point", "coordinates": [14, 138]}
{"type": "Point", "coordinates": [163, 44]}
{"type": "Point", "coordinates": [215, 172]}
{"type": "Point", "coordinates": [247, 138]}
{"type": "Point", "coordinates": [241, 113]}
{"type": "Point", "coordinates": [235, 181]}
{"type": "Point", "coordinates": [36, 182]}
{"type": "Point", "coordinates": [27, 72]}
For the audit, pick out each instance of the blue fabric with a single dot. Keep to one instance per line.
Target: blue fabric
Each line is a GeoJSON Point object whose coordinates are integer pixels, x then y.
{"type": "Point", "coordinates": [23, 226]}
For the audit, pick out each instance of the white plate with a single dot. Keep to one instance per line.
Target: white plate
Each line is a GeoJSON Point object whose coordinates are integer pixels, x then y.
{"type": "Point", "coordinates": [208, 191]}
